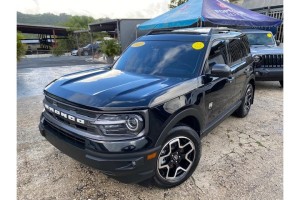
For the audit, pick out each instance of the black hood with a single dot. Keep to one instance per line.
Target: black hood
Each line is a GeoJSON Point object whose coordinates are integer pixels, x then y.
{"type": "Point", "coordinates": [103, 89]}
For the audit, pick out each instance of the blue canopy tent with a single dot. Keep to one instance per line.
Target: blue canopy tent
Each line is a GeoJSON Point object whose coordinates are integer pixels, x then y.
{"type": "Point", "coordinates": [216, 12]}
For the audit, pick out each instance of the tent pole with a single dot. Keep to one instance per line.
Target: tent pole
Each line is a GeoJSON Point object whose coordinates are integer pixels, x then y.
{"type": "Point", "coordinates": [136, 29]}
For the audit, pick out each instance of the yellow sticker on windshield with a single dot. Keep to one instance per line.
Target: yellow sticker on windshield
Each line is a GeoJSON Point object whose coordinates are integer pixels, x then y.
{"type": "Point", "coordinates": [198, 45]}
{"type": "Point", "coordinates": [138, 44]}
{"type": "Point", "coordinates": [269, 35]}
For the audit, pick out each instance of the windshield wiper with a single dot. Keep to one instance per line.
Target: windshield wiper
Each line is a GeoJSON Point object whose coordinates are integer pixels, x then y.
{"type": "Point", "coordinates": [107, 67]}
{"type": "Point", "coordinates": [268, 45]}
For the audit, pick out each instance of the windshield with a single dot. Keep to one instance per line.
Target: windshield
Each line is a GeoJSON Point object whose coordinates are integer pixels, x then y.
{"type": "Point", "coordinates": [162, 58]}
{"type": "Point", "coordinates": [87, 46]}
{"type": "Point", "coordinates": [260, 38]}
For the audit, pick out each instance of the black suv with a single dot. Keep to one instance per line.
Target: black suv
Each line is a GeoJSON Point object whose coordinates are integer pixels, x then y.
{"type": "Point", "coordinates": [143, 117]}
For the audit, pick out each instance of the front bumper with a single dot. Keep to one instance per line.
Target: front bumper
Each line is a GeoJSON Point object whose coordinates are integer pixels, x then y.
{"type": "Point", "coordinates": [127, 167]}
{"type": "Point", "coordinates": [268, 74]}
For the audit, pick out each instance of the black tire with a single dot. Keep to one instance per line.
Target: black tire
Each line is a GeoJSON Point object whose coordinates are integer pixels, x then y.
{"type": "Point", "coordinates": [244, 108]}
{"type": "Point", "coordinates": [178, 159]}
{"type": "Point", "coordinates": [85, 53]}
{"type": "Point", "coordinates": [281, 83]}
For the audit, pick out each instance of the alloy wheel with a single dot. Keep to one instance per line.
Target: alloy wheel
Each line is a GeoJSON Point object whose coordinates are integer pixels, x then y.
{"type": "Point", "coordinates": [176, 158]}
{"type": "Point", "coordinates": [248, 98]}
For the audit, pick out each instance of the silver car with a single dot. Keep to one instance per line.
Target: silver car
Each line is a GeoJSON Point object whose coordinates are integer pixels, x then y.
{"type": "Point", "coordinates": [74, 52]}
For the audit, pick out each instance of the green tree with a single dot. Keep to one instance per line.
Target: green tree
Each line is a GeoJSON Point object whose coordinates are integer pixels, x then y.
{"type": "Point", "coordinates": [111, 47]}
{"type": "Point", "coordinates": [58, 50]}
{"type": "Point", "coordinates": [43, 19]}
{"type": "Point", "coordinates": [82, 39]}
{"type": "Point", "coordinates": [79, 22]}
{"type": "Point", "coordinates": [175, 3]}
{"type": "Point", "coordinates": [21, 48]}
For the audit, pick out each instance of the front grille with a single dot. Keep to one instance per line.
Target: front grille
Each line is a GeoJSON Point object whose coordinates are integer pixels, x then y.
{"type": "Point", "coordinates": [75, 140]}
{"type": "Point", "coordinates": [87, 128]}
{"type": "Point", "coordinates": [65, 106]}
{"type": "Point", "coordinates": [272, 61]}
{"type": "Point", "coordinates": [74, 111]}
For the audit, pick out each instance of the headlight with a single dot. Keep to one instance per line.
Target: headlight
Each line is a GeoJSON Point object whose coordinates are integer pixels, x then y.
{"type": "Point", "coordinates": [120, 124]}
{"type": "Point", "coordinates": [257, 58]}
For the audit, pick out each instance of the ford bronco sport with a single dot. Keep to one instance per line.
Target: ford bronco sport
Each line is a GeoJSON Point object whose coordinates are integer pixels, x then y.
{"type": "Point", "coordinates": [268, 56]}
{"type": "Point", "coordinates": [143, 117]}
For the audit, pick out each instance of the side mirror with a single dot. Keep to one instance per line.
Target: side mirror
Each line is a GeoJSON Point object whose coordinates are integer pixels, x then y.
{"type": "Point", "coordinates": [277, 42]}
{"type": "Point", "coordinates": [220, 70]}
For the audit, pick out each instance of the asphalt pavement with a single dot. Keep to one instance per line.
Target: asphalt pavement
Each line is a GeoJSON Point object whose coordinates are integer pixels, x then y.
{"type": "Point", "coordinates": [33, 74]}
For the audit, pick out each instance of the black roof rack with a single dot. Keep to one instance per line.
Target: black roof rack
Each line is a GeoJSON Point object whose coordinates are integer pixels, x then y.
{"type": "Point", "coordinates": [155, 31]}
{"type": "Point", "coordinates": [219, 30]}
{"type": "Point", "coordinates": [194, 30]}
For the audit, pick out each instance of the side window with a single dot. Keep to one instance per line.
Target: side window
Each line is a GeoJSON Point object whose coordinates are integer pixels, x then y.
{"type": "Point", "coordinates": [217, 54]}
{"type": "Point", "coordinates": [246, 45]}
{"type": "Point", "coordinates": [238, 49]}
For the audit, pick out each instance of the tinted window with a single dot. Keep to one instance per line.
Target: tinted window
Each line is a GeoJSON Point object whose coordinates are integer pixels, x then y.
{"type": "Point", "coordinates": [260, 38]}
{"type": "Point", "coordinates": [95, 46]}
{"type": "Point", "coordinates": [246, 45]}
{"type": "Point", "coordinates": [217, 55]}
{"type": "Point", "coordinates": [238, 49]}
{"type": "Point", "coordinates": [162, 58]}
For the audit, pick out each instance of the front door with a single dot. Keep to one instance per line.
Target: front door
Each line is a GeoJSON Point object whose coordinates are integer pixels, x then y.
{"type": "Point", "coordinates": [220, 90]}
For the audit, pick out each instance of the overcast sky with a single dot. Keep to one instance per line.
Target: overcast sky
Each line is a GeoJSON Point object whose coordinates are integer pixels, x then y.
{"type": "Point", "coordinates": [96, 8]}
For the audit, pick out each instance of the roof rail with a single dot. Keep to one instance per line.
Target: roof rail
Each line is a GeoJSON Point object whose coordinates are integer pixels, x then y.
{"type": "Point", "coordinates": [210, 30]}
{"type": "Point", "coordinates": [218, 30]}
{"type": "Point", "coordinates": [159, 31]}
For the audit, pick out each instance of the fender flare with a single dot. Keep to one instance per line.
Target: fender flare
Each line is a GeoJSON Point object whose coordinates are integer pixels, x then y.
{"type": "Point", "coordinates": [170, 123]}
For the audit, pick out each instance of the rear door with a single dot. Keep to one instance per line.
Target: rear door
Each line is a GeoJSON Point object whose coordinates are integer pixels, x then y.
{"type": "Point", "coordinates": [239, 62]}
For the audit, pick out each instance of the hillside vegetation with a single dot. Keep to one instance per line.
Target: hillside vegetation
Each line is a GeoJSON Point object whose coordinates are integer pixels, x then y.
{"type": "Point", "coordinates": [43, 19]}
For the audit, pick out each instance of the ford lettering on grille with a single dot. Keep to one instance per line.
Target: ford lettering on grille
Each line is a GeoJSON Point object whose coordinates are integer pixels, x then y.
{"type": "Point", "coordinates": [64, 115]}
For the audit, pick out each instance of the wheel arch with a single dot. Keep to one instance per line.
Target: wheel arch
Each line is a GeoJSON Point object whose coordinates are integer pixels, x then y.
{"type": "Point", "coordinates": [191, 117]}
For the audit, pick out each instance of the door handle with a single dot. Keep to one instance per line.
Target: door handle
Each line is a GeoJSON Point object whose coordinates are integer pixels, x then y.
{"type": "Point", "coordinates": [246, 71]}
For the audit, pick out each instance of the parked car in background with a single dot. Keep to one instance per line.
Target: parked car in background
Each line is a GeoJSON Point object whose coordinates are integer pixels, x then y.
{"type": "Point", "coordinates": [267, 54]}
{"type": "Point", "coordinates": [74, 52]}
{"type": "Point", "coordinates": [89, 49]}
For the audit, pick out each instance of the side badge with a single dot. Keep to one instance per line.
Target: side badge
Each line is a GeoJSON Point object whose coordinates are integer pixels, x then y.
{"type": "Point", "coordinates": [210, 105]}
